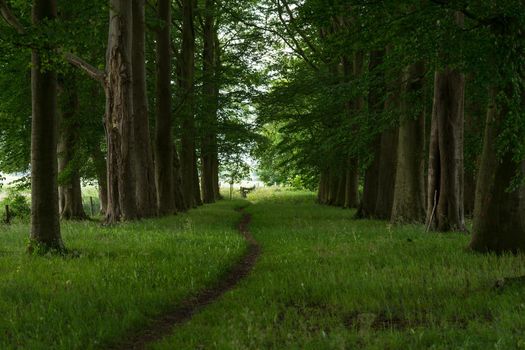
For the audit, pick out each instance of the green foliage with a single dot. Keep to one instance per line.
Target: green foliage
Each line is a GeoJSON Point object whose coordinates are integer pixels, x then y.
{"type": "Point", "coordinates": [18, 203]}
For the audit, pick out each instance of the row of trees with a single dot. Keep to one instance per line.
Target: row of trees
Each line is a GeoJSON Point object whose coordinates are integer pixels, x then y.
{"type": "Point", "coordinates": [422, 100]}
{"type": "Point", "coordinates": [93, 83]}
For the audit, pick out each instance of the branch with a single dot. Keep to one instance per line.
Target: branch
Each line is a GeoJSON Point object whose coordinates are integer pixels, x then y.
{"type": "Point", "coordinates": [300, 32]}
{"type": "Point", "coordinates": [10, 18]}
{"type": "Point", "coordinates": [298, 49]}
{"type": "Point", "coordinates": [90, 70]}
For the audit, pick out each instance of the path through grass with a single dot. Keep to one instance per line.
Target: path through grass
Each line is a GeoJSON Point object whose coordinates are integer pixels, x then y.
{"type": "Point", "coordinates": [124, 276]}
{"type": "Point", "coordinates": [325, 281]}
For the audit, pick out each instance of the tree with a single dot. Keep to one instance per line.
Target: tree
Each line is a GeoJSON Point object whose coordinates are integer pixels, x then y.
{"type": "Point", "coordinates": [144, 168]}
{"type": "Point", "coordinates": [45, 224]}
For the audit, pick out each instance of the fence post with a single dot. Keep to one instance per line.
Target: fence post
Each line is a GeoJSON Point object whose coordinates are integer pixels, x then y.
{"type": "Point", "coordinates": [91, 203]}
{"type": "Point", "coordinates": [7, 215]}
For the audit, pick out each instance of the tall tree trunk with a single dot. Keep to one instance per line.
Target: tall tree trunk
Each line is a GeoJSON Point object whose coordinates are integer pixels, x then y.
{"type": "Point", "coordinates": [409, 190]}
{"type": "Point", "coordinates": [119, 107]}
{"type": "Point", "coordinates": [45, 224]}
{"type": "Point", "coordinates": [71, 207]}
{"type": "Point", "coordinates": [210, 107]}
{"type": "Point", "coordinates": [180, 201]}
{"type": "Point", "coordinates": [353, 69]}
{"type": "Point", "coordinates": [187, 67]}
{"type": "Point", "coordinates": [164, 124]}
{"type": "Point", "coordinates": [367, 208]}
{"type": "Point", "coordinates": [498, 225]}
{"type": "Point", "coordinates": [144, 168]}
{"type": "Point", "coordinates": [445, 169]}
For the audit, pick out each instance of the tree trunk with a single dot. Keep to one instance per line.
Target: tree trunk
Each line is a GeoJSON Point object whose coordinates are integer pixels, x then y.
{"type": "Point", "coordinates": [70, 193]}
{"type": "Point", "coordinates": [164, 124]}
{"type": "Point", "coordinates": [352, 183]}
{"type": "Point", "coordinates": [387, 174]}
{"type": "Point", "coordinates": [498, 225]}
{"type": "Point", "coordinates": [180, 201]}
{"type": "Point", "coordinates": [409, 191]}
{"type": "Point", "coordinates": [45, 224]}
{"type": "Point", "coordinates": [445, 170]}
{"type": "Point", "coordinates": [119, 107]}
{"type": "Point", "coordinates": [209, 119]}
{"type": "Point", "coordinates": [367, 208]}
{"type": "Point", "coordinates": [146, 189]}
{"type": "Point", "coordinates": [188, 161]}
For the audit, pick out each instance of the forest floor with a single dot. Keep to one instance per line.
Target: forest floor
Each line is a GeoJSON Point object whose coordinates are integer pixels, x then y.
{"type": "Point", "coordinates": [323, 281]}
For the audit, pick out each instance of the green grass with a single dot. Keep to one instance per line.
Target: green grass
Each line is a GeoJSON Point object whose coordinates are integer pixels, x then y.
{"type": "Point", "coordinates": [124, 275]}
{"type": "Point", "coordinates": [326, 281]}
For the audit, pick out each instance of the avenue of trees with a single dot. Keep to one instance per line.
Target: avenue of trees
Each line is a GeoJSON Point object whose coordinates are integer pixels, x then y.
{"type": "Point", "coordinates": [416, 104]}
{"type": "Point", "coordinates": [409, 111]}
{"type": "Point", "coordinates": [135, 95]}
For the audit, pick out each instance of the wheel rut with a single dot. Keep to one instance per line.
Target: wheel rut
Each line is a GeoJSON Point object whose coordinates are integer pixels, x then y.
{"type": "Point", "coordinates": [164, 325]}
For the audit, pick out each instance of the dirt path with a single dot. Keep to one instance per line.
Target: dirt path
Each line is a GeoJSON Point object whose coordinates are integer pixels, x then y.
{"type": "Point", "coordinates": [164, 325]}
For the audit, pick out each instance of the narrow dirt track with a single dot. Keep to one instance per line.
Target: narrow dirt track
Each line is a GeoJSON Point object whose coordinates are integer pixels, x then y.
{"type": "Point", "coordinates": [164, 325]}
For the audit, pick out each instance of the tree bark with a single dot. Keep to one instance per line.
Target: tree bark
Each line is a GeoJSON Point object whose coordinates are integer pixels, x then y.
{"type": "Point", "coordinates": [209, 119]}
{"type": "Point", "coordinates": [119, 107]}
{"type": "Point", "coordinates": [446, 165]}
{"type": "Point", "coordinates": [164, 124]}
{"type": "Point", "coordinates": [45, 224]}
{"type": "Point", "coordinates": [409, 191]}
{"type": "Point", "coordinates": [187, 67]}
{"type": "Point", "coordinates": [146, 189]}
{"type": "Point", "coordinates": [498, 225]}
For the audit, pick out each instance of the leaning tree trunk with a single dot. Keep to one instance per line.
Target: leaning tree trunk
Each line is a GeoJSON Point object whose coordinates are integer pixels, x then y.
{"type": "Point", "coordinates": [445, 169]}
{"type": "Point", "coordinates": [146, 189]}
{"type": "Point", "coordinates": [409, 191]}
{"type": "Point", "coordinates": [498, 225]}
{"type": "Point", "coordinates": [188, 160]}
{"type": "Point", "coordinates": [45, 224]}
{"type": "Point", "coordinates": [119, 108]}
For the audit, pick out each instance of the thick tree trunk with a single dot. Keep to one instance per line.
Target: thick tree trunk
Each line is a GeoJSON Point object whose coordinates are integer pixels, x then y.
{"type": "Point", "coordinates": [409, 191]}
{"type": "Point", "coordinates": [187, 68]}
{"type": "Point", "coordinates": [341, 192]}
{"type": "Point", "coordinates": [209, 119]}
{"type": "Point", "coordinates": [144, 168]}
{"type": "Point", "coordinates": [322, 193]}
{"type": "Point", "coordinates": [164, 125]}
{"type": "Point", "coordinates": [333, 186]}
{"type": "Point", "coordinates": [445, 169]}
{"type": "Point", "coordinates": [70, 193]}
{"type": "Point", "coordinates": [119, 107]}
{"type": "Point", "coordinates": [45, 224]}
{"type": "Point", "coordinates": [498, 224]}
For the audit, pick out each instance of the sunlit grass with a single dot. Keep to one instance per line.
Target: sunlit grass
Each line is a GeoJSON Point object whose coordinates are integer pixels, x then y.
{"type": "Point", "coordinates": [123, 276]}
{"type": "Point", "coordinates": [326, 281]}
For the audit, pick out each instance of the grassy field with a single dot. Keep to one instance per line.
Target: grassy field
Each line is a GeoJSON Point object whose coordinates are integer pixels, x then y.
{"type": "Point", "coordinates": [122, 276]}
{"type": "Point", "coordinates": [325, 281]}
